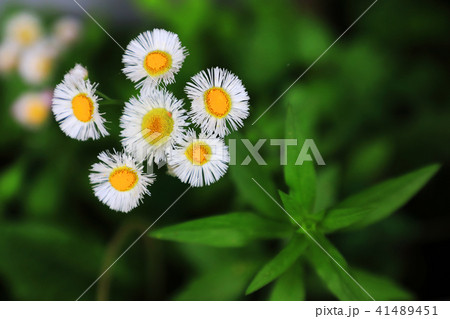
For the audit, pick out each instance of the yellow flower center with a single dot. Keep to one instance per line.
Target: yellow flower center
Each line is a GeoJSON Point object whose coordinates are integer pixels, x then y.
{"type": "Point", "coordinates": [157, 125]}
{"type": "Point", "coordinates": [26, 35]}
{"type": "Point", "coordinates": [157, 62]}
{"type": "Point", "coordinates": [198, 153]}
{"type": "Point", "coordinates": [37, 113]}
{"type": "Point", "coordinates": [217, 102]}
{"type": "Point", "coordinates": [123, 178]}
{"type": "Point", "coordinates": [83, 107]}
{"type": "Point", "coordinates": [44, 66]}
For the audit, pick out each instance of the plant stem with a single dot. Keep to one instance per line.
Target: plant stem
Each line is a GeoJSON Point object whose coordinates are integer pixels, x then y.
{"type": "Point", "coordinates": [112, 252]}
{"type": "Point", "coordinates": [111, 102]}
{"type": "Point", "coordinates": [107, 99]}
{"type": "Point", "coordinates": [103, 95]}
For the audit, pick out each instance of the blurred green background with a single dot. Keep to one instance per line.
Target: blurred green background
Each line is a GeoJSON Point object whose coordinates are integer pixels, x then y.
{"type": "Point", "coordinates": [380, 107]}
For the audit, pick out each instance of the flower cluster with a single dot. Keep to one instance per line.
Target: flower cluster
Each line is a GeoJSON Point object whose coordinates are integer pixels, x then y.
{"type": "Point", "coordinates": [27, 49]}
{"type": "Point", "coordinates": [155, 127]}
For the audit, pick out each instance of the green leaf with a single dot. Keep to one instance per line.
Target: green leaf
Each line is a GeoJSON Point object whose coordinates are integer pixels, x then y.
{"type": "Point", "coordinates": [377, 202]}
{"type": "Point", "coordinates": [39, 255]}
{"type": "Point", "coordinates": [293, 207]}
{"type": "Point", "coordinates": [11, 180]}
{"type": "Point", "coordinates": [335, 278]}
{"type": "Point", "coordinates": [278, 265]}
{"type": "Point", "coordinates": [298, 216]}
{"type": "Point", "coordinates": [290, 286]}
{"type": "Point", "coordinates": [229, 230]}
{"type": "Point", "coordinates": [327, 181]}
{"type": "Point", "coordinates": [247, 189]}
{"type": "Point", "coordinates": [301, 179]}
{"type": "Point", "coordinates": [381, 288]}
{"type": "Point", "coordinates": [226, 282]}
{"type": "Point", "coordinates": [45, 196]}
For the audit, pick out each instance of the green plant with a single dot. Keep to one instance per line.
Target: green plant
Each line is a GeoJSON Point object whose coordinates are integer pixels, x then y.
{"type": "Point", "coordinates": [305, 228]}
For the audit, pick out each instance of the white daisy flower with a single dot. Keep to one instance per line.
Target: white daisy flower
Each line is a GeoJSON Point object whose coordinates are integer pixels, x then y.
{"type": "Point", "coordinates": [152, 124]}
{"type": "Point", "coordinates": [9, 56]}
{"type": "Point", "coordinates": [37, 62]}
{"type": "Point", "coordinates": [154, 57]}
{"type": "Point", "coordinates": [24, 29]}
{"type": "Point", "coordinates": [218, 100]}
{"type": "Point", "coordinates": [170, 171]}
{"type": "Point", "coordinates": [199, 161]}
{"type": "Point", "coordinates": [66, 31]}
{"type": "Point", "coordinates": [119, 182]}
{"type": "Point", "coordinates": [32, 109]}
{"type": "Point", "coordinates": [77, 72]}
{"type": "Point", "coordinates": [76, 109]}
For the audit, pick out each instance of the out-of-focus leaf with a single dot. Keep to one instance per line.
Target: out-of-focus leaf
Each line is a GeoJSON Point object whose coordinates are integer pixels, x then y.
{"type": "Point", "coordinates": [335, 278]}
{"type": "Point", "coordinates": [251, 192]}
{"type": "Point", "coordinates": [45, 195]}
{"type": "Point", "coordinates": [301, 179]}
{"type": "Point", "coordinates": [278, 265]}
{"type": "Point", "coordinates": [223, 283]}
{"type": "Point", "coordinates": [11, 180]}
{"type": "Point", "coordinates": [264, 38]}
{"type": "Point", "coordinates": [376, 202]}
{"type": "Point", "coordinates": [327, 180]}
{"type": "Point", "coordinates": [42, 262]}
{"type": "Point", "coordinates": [247, 189]}
{"type": "Point", "coordinates": [194, 12]}
{"type": "Point", "coordinates": [381, 288]}
{"type": "Point", "coordinates": [369, 160]}
{"type": "Point", "coordinates": [229, 230]}
{"type": "Point", "coordinates": [311, 38]}
{"type": "Point", "coordinates": [290, 286]}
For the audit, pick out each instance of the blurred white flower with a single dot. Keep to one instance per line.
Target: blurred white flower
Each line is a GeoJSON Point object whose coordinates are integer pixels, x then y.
{"type": "Point", "coordinates": [78, 72]}
{"type": "Point", "coordinates": [25, 29]}
{"type": "Point", "coordinates": [66, 31]}
{"type": "Point", "coordinates": [37, 63]}
{"type": "Point", "coordinates": [9, 56]}
{"type": "Point", "coordinates": [32, 108]}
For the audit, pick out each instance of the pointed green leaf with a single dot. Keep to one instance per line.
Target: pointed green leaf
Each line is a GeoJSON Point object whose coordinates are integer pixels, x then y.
{"type": "Point", "coordinates": [334, 270]}
{"type": "Point", "coordinates": [377, 202]}
{"type": "Point", "coordinates": [250, 192]}
{"type": "Point", "coordinates": [278, 265]}
{"type": "Point", "coordinates": [247, 189]}
{"type": "Point", "coordinates": [327, 181]}
{"type": "Point", "coordinates": [225, 282]}
{"type": "Point", "coordinates": [293, 207]}
{"type": "Point", "coordinates": [290, 286]}
{"type": "Point", "coordinates": [229, 230]}
{"type": "Point", "coordinates": [381, 288]}
{"type": "Point", "coordinates": [297, 215]}
{"type": "Point", "coordinates": [301, 179]}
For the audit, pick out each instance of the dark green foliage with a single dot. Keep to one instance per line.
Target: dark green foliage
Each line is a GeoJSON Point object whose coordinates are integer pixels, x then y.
{"type": "Point", "coordinates": [376, 104]}
{"type": "Point", "coordinates": [230, 230]}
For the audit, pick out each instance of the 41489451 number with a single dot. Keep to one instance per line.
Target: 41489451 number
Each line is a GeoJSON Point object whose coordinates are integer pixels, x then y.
{"type": "Point", "coordinates": [407, 310]}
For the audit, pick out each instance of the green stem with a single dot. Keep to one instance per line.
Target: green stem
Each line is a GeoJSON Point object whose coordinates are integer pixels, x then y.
{"type": "Point", "coordinates": [112, 251]}
{"type": "Point", "coordinates": [107, 99]}
{"type": "Point", "coordinates": [111, 102]}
